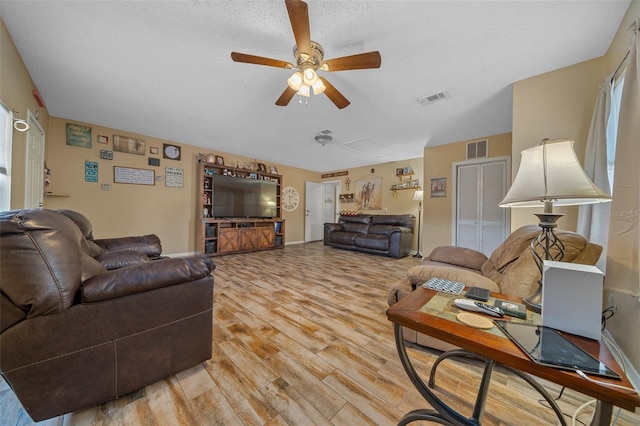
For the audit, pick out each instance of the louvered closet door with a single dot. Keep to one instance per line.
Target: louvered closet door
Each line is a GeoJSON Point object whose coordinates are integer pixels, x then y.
{"type": "Point", "coordinates": [480, 223]}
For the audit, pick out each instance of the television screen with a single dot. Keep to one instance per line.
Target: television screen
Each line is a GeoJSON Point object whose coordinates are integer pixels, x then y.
{"type": "Point", "coordinates": [241, 197]}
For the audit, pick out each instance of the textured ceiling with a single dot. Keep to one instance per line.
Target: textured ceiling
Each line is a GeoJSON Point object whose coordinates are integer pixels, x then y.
{"type": "Point", "coordinates": [163, 69]}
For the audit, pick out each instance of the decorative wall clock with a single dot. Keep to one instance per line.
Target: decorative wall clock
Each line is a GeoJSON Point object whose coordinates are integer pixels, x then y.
{"type": "Point", "coordinates": [290, 199]}
{"type": "Point", "coordinates": [171, 151]}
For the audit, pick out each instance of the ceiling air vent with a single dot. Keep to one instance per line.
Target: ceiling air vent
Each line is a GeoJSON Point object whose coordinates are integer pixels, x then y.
{"type": "Point", "coordinates": [426, 100]}
{"type": "Point", "coordinates": [477, 149]}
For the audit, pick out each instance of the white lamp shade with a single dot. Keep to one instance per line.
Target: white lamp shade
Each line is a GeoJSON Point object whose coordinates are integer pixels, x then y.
{"type": "Point", "coordinates": [551, 172]}
{"type": "Point", "coordinates": [417, 196]}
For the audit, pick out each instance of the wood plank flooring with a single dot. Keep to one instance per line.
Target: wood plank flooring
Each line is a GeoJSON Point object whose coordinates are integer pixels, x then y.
{"type": "Point", "coordinates": [301, 338]}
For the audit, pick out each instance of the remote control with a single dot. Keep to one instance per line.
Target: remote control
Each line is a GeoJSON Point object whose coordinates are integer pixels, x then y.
{"type": "Point", "coordinates": [483, 308]}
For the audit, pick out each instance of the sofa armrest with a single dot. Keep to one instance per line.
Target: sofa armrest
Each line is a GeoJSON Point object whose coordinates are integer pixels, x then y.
{"type": "Point", "coordinates": [421, 273]}
{"type": "Point", "coordinates": [147, 244]}
{"type": "Point", "coordinates": [144, 277]}
{"type": "Point", "coordinates": [459, 256]}
{"type": "Point", "coordinates": [331, 227]}
{"type": "Point", "coordinates": [119, 259]}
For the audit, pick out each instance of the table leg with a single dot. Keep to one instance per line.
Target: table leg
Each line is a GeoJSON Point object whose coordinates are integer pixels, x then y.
{"type": "Point", "coordinates": [524, 376]}
{"type": "Point", "coordinates": [441, 413]}
{"type": "Point", "coordinates": [602, 415]}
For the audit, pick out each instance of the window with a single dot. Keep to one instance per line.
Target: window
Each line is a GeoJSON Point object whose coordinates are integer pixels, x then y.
{"type": "Point", "coordinates": [6, 131]}
{"type": "Point", "coordinates": [612, 128]}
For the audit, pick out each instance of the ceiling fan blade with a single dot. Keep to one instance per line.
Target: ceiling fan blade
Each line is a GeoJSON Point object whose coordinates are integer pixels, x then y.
{"type": "Point", "coordinates": [336, 97]}
{"type": "Point", "coordinates": [299, 17]}
{"type": "Point", "coordinates": [354, 62]}
{"type": "Point", "coordinates": [259, 60]}
{"type": "Point", "coordinates": [286, 97]}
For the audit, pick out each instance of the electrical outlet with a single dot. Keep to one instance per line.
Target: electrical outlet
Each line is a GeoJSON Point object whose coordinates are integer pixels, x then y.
{"type": "Point", "coordinates": [610, 300]}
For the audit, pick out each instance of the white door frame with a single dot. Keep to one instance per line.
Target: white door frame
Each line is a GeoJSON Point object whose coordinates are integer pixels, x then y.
{"type": "Point", "coordinates": [454, 190]}
{"type": "Point", "coordinates": [330, 190]}
{"type": "Point", "coordinates": [34, 164]}
{"type": "Point", "coordinates": [313, 212]}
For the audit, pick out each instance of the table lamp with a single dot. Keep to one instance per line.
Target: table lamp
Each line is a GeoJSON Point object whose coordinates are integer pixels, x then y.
{"type": "Point", "coordinates": [417, 196]}
{"type": "Point", "coordinates": [550, 174]}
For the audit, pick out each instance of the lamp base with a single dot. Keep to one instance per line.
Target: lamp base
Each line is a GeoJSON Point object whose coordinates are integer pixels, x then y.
{"type": "Point", "coordinates": [534, 301]}
{"type": "Point", "coordinates": [417, 254]}
{"type": "Point", "coordinates": [545, 247]}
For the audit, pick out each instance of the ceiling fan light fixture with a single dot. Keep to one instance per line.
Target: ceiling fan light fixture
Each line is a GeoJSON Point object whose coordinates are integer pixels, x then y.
{"type": "Point", "coordinates": [304, 91]}
{"type": "Point", "coordinates": [295, 81]}
{"type": "Point", "coordinates": [309, 76]}
{"type": "Point", "coordinates": [318, 87]}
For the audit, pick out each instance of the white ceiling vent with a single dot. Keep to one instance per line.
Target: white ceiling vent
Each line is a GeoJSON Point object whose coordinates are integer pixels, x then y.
{"type": "Point", "coordinates": [368, 147]}
{"type": "Point", "coordinates": [429, 99]}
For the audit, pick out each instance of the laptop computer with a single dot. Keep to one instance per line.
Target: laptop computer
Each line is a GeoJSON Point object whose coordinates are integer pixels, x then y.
{"type": "Point", "coordinates": [547, 346]}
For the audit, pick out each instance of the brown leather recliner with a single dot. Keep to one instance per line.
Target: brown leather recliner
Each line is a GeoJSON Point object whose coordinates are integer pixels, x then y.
{"type": "Point", "coordinates": [115, 252]}
{"type": "Point", "coordinates": [74, 334]}
{"type": "Point", "coordinates": [509, 270]}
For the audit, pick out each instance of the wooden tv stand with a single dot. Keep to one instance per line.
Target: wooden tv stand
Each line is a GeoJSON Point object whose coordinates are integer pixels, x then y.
{"type": "Point", "coordinates": [227, 236]}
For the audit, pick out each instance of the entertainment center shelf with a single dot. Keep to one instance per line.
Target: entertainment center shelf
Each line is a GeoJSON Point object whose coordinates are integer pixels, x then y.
{"type": "Point", "coordinates": [227, 236]}
{"type": "Point", "coordinates": [236, 212]}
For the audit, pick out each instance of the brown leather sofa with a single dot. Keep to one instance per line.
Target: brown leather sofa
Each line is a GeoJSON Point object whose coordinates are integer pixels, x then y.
{"type": "Point", "coordinates": [74, 334]}
{"type": "Point", "coordinates": [388, 235]}
{"type": "Point", "coordinates": [509, 270]}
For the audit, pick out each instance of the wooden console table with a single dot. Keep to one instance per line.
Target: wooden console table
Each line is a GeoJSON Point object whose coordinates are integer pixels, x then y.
{"type": "Point", "coordinates": [497, 349]}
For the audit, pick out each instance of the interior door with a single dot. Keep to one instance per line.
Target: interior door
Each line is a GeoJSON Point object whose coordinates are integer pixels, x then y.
{"type": "Point", "coordinates": [34, 168]}
{"type": "Point", "coordinates": [480, 223]}
{"type": "Point", "coordinates": [313, 221]}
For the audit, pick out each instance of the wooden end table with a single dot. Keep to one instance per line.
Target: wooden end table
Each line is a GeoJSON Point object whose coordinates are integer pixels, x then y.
{"type": "Point", "coordinates": [495, 348]}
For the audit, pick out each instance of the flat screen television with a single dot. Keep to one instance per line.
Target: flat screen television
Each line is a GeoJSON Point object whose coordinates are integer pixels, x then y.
{"type": "Point", "coordinates": [236, 197]}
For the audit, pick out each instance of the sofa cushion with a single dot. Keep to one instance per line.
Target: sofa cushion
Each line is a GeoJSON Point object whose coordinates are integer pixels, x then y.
{"type": "Point", "coordinates": [458, 256]}
{"type": "Point", "coordinates": [81, 222]}
{"type": "Point", "coordinates": [356, 227]}
{"type": "Point", "coordinates": [513, 246]}
{"type": "Point", "coordinates": [382, 229]}
{"type": "Point", "coordinates": [407, 220]}
{"type": "Point", "coordinates": [48, 244]}
{"type": "Point", "coordinates": [90, 267]}
{"type": "Point", "coordinates": [343, 238]}
{"type": "Point", "coordinates": [355, 219]}
{"type": "Point", "coordinates": [372, 241]}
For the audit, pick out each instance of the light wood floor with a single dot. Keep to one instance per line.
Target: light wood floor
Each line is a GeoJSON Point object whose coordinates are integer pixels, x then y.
{"type": "Point", "coordinates": [301, 338]}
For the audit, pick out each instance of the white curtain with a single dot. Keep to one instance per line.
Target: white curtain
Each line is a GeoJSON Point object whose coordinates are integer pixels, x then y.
{"type": "Point", "coordinates": [593, 221]}
{"type": "Point", "coordinates": [624, 231]}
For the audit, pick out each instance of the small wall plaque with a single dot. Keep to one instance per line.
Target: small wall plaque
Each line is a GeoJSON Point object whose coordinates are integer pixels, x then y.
{"type": "Point", "coordinates": [106, 155]}
{"type": "Point", "coordinates": [154, 161]}
{"type": "Point", "coordinates": [90, 171]}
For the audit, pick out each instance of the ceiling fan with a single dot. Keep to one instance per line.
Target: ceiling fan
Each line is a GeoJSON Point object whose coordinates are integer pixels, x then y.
{"type": "Point", "coordinates": [309, 57]}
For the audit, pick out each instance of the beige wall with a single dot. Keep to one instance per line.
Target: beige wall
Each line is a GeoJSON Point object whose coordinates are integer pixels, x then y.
{"type": "Point", "coordinates": [438, 161]}
{"type": "Point", "coordinates": [560, 104]}
{"type": "Point", "coordinates": [15, 91]}
{"type": "Point", "coordinates": [129, 209]}
{"type": "Point", "coordinates": [627, 317]}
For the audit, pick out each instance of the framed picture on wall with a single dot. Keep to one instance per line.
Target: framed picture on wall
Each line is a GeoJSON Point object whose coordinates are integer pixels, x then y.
{"type": "Point", "coordinates": [438, 187]}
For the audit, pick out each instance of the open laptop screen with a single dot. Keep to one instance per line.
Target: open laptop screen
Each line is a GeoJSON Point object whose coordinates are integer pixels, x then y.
{"type": "Point", "coordinates": [546, 346]}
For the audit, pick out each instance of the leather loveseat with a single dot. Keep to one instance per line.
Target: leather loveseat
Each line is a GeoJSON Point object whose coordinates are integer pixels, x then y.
{"type": "Point", "coordinates": [74, 334]}
{"type": "Point", "coordinates": [388, 235]}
